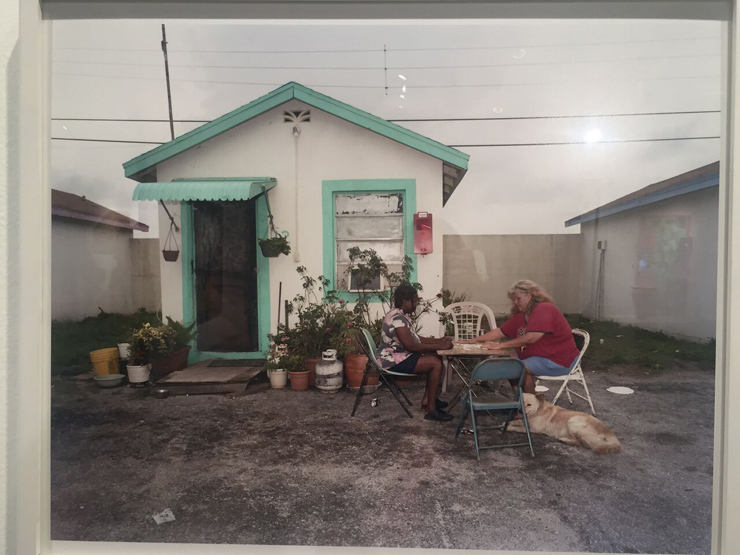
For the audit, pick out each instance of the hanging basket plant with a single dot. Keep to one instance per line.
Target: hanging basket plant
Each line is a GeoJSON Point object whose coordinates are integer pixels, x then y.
{"type": "Point", "coordinates": [170, 254]}
{"type": "Point", "coordinates": [273, 244]}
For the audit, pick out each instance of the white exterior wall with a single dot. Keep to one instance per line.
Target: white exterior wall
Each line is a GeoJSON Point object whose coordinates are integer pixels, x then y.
{"type": "Point", "coordinates": [693, 314]}
{"type": "Point", "coordinates": [329, 148]}
{"type": "Point", "coordinates": [90, 268]}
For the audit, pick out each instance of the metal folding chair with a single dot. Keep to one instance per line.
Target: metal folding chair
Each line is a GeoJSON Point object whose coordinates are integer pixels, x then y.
{"type": "Point", "coordinates": [582, 339]}
{"type": "Point", "coordinates": [367, 345]}
{"type": "Point", "coordinates": [490, 370]}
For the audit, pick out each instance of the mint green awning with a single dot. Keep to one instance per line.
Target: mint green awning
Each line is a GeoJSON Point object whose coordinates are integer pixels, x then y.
{"type": "Point", "coordinates": [237, 188]}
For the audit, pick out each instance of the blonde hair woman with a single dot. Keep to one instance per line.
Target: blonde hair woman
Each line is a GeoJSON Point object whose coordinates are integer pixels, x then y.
{"type": "Point", "coordinates": [538, 331]}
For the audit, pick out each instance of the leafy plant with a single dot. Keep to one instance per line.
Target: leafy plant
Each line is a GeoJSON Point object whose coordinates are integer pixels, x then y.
{"type": "Point", "coordinates": [323, 321]}
{"type": "Point", "coordinates": [149, 343]}
{"type": "Point", "coordinates": [184, 335]}
{"type": "Point", "coordinates": [365, 266]}
{"type": "Point", "coordinates": [293, 363]}
{"type": "Point", "coordinates": [449, 297]}
{"type": "Point", "coordinates": [278, 243]}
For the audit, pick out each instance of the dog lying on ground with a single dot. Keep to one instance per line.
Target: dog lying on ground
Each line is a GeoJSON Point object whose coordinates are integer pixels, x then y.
{"type": "Point", "coordinates": [569, 426]}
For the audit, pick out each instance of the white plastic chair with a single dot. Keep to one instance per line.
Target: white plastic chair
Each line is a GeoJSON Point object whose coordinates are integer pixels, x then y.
{"type": "Point", "coordinates": [467, 319]}
{"type": "Point", "coordinates": [575, 375]}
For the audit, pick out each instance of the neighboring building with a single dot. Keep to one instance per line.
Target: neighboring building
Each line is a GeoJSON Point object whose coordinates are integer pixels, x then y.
{"type": "Point", "coordinates": [337, 177]}
{"type": "Point", "coordinates": [650, 258]}
{"type": "Point", "coordinates": [91, 269]}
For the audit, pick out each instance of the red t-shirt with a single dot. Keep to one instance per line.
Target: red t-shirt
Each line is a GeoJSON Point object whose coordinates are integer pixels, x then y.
{"type": "Point", "coordinates": [557, 344]}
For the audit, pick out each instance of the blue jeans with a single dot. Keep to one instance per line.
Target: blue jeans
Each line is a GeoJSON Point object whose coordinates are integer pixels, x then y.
{"type": "Point", "coordinates": [541, 366]}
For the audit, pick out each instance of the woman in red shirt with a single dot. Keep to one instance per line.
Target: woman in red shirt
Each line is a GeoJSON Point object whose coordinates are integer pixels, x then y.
{"type": "Point", "coordinates": [538, 331]}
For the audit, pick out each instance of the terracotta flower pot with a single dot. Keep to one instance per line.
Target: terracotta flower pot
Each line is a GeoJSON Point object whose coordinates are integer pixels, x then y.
{"type": "Point", "coordinates": [299, 380]}
{"type": "Point", "coordinates": [354, 367]}
{"type": "Point", "coordinates": [311, 367]}
{"type": "Point", "coordinates": [171, 363]}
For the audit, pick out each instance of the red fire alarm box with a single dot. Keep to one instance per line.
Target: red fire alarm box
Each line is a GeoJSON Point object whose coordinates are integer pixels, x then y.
{"type": "Point", "coordinates": [423, 233]}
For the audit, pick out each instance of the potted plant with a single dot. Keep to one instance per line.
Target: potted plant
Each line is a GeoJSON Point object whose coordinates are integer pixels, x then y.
{"type": "Point", "coordinates": [275, 368]}
{"type": "Point", "coordinates": [146, 344]}
{"type": "Point", "coordinates": [296, 367]}
{"type": "Point", "coordinates": [274, 246]}
{"type": "Point", "coordinates": [177, 359]}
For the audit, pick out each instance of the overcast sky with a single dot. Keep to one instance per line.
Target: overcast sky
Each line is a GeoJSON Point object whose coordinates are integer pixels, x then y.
{"type": "Point", "coordinates": [531, 69]}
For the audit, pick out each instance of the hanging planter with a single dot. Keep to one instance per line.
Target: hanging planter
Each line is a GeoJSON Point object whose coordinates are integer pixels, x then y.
{"type": "Point", "coordinates": [274, 244]}
{"type": "Point", "coordinates": [273, 247]}
{"type": "Point", "coordinates": [170, 254]}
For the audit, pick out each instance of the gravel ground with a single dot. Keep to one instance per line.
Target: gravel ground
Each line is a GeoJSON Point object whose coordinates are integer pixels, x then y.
{"type": "Point", "coordinates": [292, 468]}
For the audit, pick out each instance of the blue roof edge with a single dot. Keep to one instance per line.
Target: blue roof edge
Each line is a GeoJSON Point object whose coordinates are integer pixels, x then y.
{"type": "Point", "coordinates": [698, 184]}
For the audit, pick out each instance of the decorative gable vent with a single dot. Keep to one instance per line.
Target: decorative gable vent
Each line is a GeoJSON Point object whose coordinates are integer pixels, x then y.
{"type": "Point", "coordinates": [296, 116]}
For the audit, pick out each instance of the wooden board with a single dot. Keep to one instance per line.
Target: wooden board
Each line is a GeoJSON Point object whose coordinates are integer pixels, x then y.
{"type": "Point", "coordinates": [206, 389]}
{"type": "Point", "coordinates": [201, 374]}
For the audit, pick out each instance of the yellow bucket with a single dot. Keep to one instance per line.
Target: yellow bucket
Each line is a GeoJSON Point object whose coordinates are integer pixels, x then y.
{"type": "Point", "coordinates": [105, 361]}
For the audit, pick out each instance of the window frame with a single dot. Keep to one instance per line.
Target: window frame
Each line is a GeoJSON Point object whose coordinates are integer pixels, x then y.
{"type": "Point", "coordinates": [329, 191]}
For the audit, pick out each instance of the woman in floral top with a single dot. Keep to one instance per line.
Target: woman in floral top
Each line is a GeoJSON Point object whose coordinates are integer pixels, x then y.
{"type": "Point", "coordinates": [402, 350]}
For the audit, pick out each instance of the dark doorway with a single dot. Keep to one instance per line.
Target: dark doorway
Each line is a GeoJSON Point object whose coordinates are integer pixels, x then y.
{"type": "Point", "coordinates": [226, 276]}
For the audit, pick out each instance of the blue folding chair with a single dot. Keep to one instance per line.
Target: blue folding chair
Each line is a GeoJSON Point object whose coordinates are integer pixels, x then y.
{"type": "Point", "coordinates": [490, 370]}
{"type": "Point", "coordinates": [388, 377]}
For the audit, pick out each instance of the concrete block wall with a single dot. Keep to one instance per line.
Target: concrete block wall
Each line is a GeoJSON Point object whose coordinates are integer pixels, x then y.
{"type": "Point", "coordinates": [485, 266]}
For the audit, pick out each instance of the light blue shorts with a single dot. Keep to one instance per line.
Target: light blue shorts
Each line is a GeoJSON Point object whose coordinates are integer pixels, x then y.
{"type": "Point", "coordinates": [541, 366]}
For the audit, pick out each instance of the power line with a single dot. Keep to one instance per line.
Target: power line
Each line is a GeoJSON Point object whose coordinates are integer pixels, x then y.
{"type": "Point", "coordinates": [377, 87]}
{"type": "Point", "coordinates": [453, 146]}
{"type": "Point", "coordinates": [416, 49]}
{"type": "Point", "coordinates": [397, 68]}
{"type": "Point", "coordinates": [122, 120]}
{"type": "Point", "coordinates": [513, 118]}
{"type": "Point", "coordinates": [587, 142]}
{"type": "Point", "coordinates": [105, 141]}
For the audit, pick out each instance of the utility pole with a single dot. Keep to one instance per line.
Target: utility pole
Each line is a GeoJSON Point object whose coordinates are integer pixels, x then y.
{"type": "Point", "coordinates": [169, 102]}
{"type": "Point", "coordinates": [167, 75]}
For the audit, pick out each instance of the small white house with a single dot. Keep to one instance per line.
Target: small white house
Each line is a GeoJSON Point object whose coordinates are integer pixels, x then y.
{"type": "Point", "coordinates": [331, 175]}
{"type": "Point", "coordinates": [650, 258]}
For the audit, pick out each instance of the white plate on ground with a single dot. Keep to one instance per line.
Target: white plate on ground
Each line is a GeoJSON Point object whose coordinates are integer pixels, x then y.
{"type": "Point", "coordinates": [619, 390]}
{"type": "Point", "coordinates": [541, 389]}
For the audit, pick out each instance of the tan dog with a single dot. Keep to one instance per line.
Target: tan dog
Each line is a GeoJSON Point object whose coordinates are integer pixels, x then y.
{"type": "Point", "coordinates": [569, 426]}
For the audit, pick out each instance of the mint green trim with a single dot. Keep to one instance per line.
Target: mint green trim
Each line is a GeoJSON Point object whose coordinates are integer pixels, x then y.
{"type": "Point", "coordinates": [329, 190]}
{"type": "Point", "coordinates": [189, 307]}
{"type": "Point", "coordinates": [238, 188]}
{"type": "Point", "coordinates": [187, 238]}
{"type": "Point", "coordinates": [140, 168]}
{"type": "Point", "coordinates": [263, 276]}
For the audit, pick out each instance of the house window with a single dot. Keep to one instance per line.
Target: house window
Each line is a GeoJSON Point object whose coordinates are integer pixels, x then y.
{"type": "Point", "coordinates": [368, 221]}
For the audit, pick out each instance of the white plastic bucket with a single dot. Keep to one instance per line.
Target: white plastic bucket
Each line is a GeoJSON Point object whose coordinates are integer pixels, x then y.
{"type": "Point", "coordinates": [138, 374]}
{"type": "Point", "coordinates": [278, 378]}
{"type": "Point", "coordinates": [124, 350]}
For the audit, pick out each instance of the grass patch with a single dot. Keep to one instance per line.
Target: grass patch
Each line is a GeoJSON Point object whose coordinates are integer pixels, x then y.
{"type": "Point", "coordinates": [651, 350]}
{"type": "Point", "coordinates": [71, 342]}
{"type": "Point", "coordinates": [632, 345]}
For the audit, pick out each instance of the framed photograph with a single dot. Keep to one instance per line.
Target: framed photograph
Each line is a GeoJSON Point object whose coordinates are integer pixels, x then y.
{"type": "Point", "coordinates": [231, 339]}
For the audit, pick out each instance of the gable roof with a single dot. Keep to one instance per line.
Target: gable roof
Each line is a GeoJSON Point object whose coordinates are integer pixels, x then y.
{"type": "Point", "coordinates": [69, 205]}
{"type": "Point", "coordinates": [142, 168]}
{"type": "Point", "coordinates": [694, 180]}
